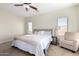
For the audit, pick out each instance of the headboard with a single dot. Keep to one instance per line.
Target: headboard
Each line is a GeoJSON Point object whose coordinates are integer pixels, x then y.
{"type": "Point", "coordinates": [42, 30]}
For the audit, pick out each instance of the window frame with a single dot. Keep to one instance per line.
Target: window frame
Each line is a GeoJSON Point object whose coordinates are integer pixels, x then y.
{"type": "Point", "coordinates": [30, 31]}
{"type": "Point", "coordinates": [62, 17]}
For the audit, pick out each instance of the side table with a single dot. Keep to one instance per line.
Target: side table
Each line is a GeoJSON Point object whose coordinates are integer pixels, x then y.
{"type": "Point", "coordinates": [54, 40]}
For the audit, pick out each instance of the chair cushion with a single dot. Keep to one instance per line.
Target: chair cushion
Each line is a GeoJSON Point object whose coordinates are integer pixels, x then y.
{"type": "Point", "coordinates": [68, 42]}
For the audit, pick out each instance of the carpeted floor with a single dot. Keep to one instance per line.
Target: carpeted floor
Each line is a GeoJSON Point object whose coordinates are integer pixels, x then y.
{"type": "Point", "coordinates": [7, 50]}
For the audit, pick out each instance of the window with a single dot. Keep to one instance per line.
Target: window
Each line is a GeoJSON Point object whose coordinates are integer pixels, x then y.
{"type": "Point", "coordinates": [62, 25]}
{"type": "Point", "coordinates": [30, 27]}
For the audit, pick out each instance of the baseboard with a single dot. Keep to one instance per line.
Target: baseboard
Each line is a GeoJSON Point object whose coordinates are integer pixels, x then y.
{"type": "Point", "coordinates": [1, 42]}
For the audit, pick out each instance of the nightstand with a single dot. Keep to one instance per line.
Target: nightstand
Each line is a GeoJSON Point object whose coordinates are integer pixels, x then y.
{"type": "Point", "coordinates": [54, 40]}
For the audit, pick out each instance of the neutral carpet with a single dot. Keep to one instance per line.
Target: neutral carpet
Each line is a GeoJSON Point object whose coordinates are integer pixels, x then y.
{"type": "Point", "coordinates": [54, 50]}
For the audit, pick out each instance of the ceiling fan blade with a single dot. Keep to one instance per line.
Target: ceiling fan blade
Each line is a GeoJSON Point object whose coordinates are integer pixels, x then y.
{"type": "Point", "coordinates": [18, 5]}
{"type": "Point", "coordinates": [26, 9]}
{"type": "Point", "coordinates": [27, 3]}
{"type": "Point", "coordinates": [33, 7]}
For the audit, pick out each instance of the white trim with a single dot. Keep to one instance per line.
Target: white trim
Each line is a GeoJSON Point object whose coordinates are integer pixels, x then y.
{"type": "Point", "coordinates": [4, 41]}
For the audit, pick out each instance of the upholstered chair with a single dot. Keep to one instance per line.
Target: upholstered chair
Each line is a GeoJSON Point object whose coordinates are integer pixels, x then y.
{"type": "Point", "coordinates": [70, 41]}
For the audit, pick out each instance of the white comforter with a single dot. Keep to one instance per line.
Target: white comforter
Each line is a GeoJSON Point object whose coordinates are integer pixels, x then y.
{"type": "Point", "coordinates": [39, 42]}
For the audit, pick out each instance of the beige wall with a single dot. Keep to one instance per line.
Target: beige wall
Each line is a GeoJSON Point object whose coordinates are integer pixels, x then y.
{"type": "Point", "coordinates": [42, 21]}
{"type": "Point", "coordinates": [10, 26]}
{"type": "Point", "coordinates": [77, 9]}
{"type": "Point", "coordinates": [49, 20]}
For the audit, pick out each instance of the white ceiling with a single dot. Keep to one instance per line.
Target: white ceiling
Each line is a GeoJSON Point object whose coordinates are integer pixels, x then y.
{"type": "Point", "coordinates": [42, 7]}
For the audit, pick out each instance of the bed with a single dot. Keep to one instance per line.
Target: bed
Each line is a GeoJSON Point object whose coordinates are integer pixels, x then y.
{"type": "Point", "coordinates": [36, 43]}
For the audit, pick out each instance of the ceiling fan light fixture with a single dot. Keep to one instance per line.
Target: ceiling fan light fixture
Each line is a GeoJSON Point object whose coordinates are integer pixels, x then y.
{"type": "Point", "coordinates": [26, 6]}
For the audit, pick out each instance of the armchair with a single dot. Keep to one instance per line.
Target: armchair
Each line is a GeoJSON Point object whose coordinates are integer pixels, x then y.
{"type": "Point", "coordinates": [70, 41]}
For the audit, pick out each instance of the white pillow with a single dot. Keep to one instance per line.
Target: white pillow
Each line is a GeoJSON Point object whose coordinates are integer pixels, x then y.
{"type": "Point", "coordinates": [42, 32]}
{"type": "Point", "coordinates": [39, 32]}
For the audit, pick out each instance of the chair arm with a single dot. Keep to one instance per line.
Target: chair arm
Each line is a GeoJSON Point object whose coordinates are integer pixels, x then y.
{"type": "Point", "coordinates": [75, 45]}
{"type": "Point", "coordinates": [76, 42]}
{"type": "Point", "coordinates": [61, 38]}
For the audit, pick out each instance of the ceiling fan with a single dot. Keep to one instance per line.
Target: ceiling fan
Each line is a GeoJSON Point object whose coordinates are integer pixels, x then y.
{"type": "Point", "coordinates": [27, 6]}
